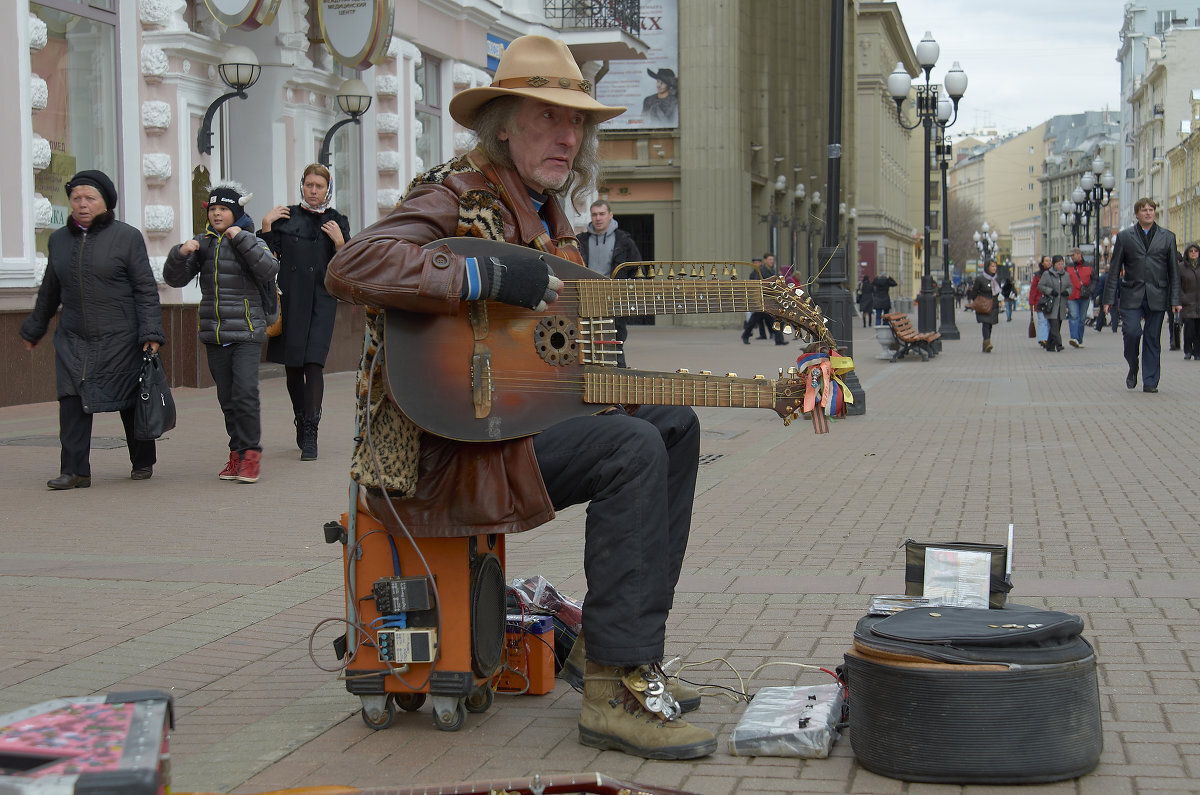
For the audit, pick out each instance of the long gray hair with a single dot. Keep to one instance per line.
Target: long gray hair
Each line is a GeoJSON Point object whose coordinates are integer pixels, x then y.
{"type": "Point", "coordinates": [501, 113]}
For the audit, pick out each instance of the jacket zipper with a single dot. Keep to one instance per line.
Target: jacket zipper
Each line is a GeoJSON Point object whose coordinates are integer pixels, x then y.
{"type": "Point", "coordinates": [216, 287]}
{"type": "Point", "coordinates": [82, 309]}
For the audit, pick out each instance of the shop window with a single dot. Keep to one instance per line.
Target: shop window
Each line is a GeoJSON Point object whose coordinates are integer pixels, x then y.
{"type": "Point", "coordinates": [428, 77]}
{"type": "Point", "coordinates": [78, 64]}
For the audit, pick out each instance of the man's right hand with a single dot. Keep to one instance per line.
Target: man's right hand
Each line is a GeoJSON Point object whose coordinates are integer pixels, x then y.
{"type": "Point", "coordinates": [189, 246]}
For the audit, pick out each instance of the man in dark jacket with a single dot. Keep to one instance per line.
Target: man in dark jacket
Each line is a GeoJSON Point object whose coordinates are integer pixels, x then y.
{"type": "Point", "coordinates": [605, 246]}
{"type": "Point", "coordinates": [1144, 267]}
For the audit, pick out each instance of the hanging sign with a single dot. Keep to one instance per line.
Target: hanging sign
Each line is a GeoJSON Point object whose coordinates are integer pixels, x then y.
{"type": "Point", "coordinates": [244, 14]}
{"type": "Point", "coordinates": [357, 32]}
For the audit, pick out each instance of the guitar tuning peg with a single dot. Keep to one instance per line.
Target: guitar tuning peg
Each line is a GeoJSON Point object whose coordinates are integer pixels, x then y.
{"type": "Point", "coordinates": [706, 372]}
{"type": "Point", "coordinates": [781, 372]}
{"type": "Point", "coordinates": [760, 378]}
{"type": "Point", "coordinates": [791, 370]}
{"type": "Point", "coordinates": [681, 370]}
{"type": "Point", "coordinates": [731, 375]}
{"type": "Point", "coordinates": [787, 421]}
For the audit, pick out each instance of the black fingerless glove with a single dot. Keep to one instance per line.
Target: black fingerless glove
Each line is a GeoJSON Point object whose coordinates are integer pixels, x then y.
{"type": "Point", "coordinates": [524, 281]}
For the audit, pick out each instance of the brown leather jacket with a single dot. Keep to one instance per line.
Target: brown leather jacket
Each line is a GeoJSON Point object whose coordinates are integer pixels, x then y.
{"type": "Point", "coordinates": [462, 488]}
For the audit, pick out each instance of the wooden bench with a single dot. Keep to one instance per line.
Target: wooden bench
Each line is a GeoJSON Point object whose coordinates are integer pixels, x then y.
{"type": "Point", "coordinates": [908, 339]}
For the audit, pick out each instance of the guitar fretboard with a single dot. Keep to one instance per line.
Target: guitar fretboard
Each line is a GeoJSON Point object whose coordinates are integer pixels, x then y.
{"type": "Point", "coordinates": [676, 389]}
{"type": "Point", "coordinates": [628, 297]}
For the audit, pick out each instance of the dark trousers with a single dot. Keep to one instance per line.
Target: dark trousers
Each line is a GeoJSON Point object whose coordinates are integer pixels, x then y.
{"type": "Point", "coordinates": [638, 476]}
{"type": "Point", "coordinates": [987, 330]}
{"type": "Point", "coordinates": [75, 436]}
{"type": "Point", "coordinates": [1191, 336]}
{"type": "Point", "coordinates": [1142, 328]}
{"type": "Point", "coordinates": [1054, 339]}
{"type": "Point", "coordinates": [235, 369]}
{"type": "Point", "coordinates": [757, 320]}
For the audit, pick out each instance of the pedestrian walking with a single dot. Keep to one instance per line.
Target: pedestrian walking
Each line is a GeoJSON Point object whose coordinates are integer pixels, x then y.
{"type": "Point", "coordinates": [1144, 266]}
{"type": "Point", "coordinates": [98, 272]}
{"type": "Point", "coordinates": [988, 286]}
{"type": "Point", "coordinates": [1189, 290]}
{"type": "Point", "coordinates": [304, 237]}
{"type": "Point", "coordinates": [1055, 284]}
{"type": "Point", "coordinates": [233, 265]}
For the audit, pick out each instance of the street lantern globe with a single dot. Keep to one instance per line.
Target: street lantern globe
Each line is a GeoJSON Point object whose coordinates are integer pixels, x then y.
{"type": "Point", "coordinates": [1078, 195]}
{"type": "Point", "coordinates": [1098, 166]}
{"type": "Point", "coordinates": [995, 236]}
{"type": "Point", "coordinates": [976, 237]}
{"type": "Point", "coordinates": [1062, 219]}
{"type": "Point", "coordinates": [1087, 181]}
{"type": "Point", "coordinates": [799, 192]}
{"type": "Point", "coordinates": [1107, 181]}
{"type": "Point", "coordinates": [1066, 206]}
{"type": "Point", "coordinates": [928, 52]}
{"type": "Point", "coordinates": [956, 82]}
{"type": "Point", "coordinates": [945, 109]}
{"type": "Point", "coordinates": [353, 97]}
{"type": "Point", "coordinates": [899, 83]}
{"type": "Point", "coordinates": [239, 69]}
{"type": "Point", "coordinates": [986, 226]}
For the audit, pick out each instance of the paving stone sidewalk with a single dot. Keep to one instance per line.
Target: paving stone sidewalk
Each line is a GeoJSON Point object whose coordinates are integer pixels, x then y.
{"type": "Point", "coordinates": [210, 589]}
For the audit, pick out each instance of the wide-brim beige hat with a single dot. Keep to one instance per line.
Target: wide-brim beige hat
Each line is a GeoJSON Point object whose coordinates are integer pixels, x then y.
{"type": "Point", "coordinates": [537, 67]}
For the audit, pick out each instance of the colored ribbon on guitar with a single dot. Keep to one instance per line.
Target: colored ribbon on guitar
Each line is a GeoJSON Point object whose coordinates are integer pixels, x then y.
{"type": "Point", "coordinates": [825, 394]}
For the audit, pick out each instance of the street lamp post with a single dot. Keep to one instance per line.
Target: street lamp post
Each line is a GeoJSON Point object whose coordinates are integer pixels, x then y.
{"type": "Point", "coordinates": [948, 329]}
{"type": "Point", "coordinates": [985, 240]}
{"type": "Point", "coordinates": [1096, 186]}
{"type": "Point", "coordinates": [927, 108]}
{"type": "Point", "coordinates": [1069, 220]}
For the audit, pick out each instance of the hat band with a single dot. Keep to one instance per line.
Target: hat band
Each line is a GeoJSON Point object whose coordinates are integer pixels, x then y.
{"type": "Point", "coordinates": [537, 81]}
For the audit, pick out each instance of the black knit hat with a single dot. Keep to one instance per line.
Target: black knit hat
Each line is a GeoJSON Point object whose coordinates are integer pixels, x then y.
{"type": "Point", "coordinates": [98, 180]}
{"type": "Point", "coordinates": [228, 194]}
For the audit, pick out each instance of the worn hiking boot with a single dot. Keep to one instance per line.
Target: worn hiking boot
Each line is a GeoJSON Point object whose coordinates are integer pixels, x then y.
{"type": "Point", "coordinates": [629, 709]}
{"type": "Point", "coordinates": [308, 437]}
{"type": "Point", "coordinates": [686, 696]}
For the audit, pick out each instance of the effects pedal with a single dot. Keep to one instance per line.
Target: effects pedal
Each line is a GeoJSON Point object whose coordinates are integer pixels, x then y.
{"type": "Point", "coordinates": [407, 645]}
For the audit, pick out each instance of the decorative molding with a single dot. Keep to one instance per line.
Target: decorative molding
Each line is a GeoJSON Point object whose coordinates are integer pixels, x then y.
{"type": "Point", "coordinates": [158, 219]}
{"type": "Point", "coordinates": [464, 141]}
{"type": "Point", "coordinates": [399, 48]}
{"type": "Point", "coordinates": [39, 93]}
{"type": "Point", "coordinates": [40, 263]}
{"type": "Point", "coordinates": [154, 63]}
{"type": "Point", "coordinates": [156, 117]}
{"type": "Point", "coordinates": [387, 161]}
{"type": "Point", "coordinates": [156, 168]}
{"type": "Point", "coordinates": [387, 123]}
{"type": "Point", "coordinates": [388, 198]}
{"type": "Point", "coordinates": [43, 213]}
{"type": "Point", "coordinates": [386, 85]}
{"type": "Point", "coordinates": [418, 164]}
{"type": "Point", "coordinates": [41, 153]}
{"type": "Point", "coordinates": [163, 14]}
{"type": "Point", "coordinates": [38, 33]}
{"type": "Point", "coordinates": [156, 267]}
{"type": "Point", "coordinates": [468, 76]}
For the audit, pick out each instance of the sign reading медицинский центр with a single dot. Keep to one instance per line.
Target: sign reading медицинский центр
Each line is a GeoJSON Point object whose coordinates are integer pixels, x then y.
{"type": "Point", "coordinates": [244, 14]}
{"type": "Point", "coordinates": [357, 32]}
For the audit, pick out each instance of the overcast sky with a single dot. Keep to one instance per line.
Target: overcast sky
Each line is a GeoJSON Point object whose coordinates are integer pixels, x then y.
{"type": "Point", "coordinates": [1026, 60]}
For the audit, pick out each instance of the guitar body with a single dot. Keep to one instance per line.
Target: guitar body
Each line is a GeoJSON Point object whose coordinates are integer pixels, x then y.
{"type": "Point", "coordinates": [495, 372]}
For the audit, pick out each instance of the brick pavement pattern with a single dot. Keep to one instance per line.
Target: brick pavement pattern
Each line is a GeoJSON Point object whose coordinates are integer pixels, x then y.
{"type": "Point", "coordinates": [210, 590]}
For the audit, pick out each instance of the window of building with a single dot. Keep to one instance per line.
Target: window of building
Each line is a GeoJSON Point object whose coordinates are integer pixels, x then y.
{"type": "Point", "coordinates": [428, 75]}
{"type": "Point", "coordinates": [1162, 20]}
{"type": "Point", "coordinates": [79, 121]}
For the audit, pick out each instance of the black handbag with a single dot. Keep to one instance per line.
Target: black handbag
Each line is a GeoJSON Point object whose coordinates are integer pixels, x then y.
{"type": "Point", "coordinates": [154, 408]}
{"type": "Point", "coordinates": [1045, 304]}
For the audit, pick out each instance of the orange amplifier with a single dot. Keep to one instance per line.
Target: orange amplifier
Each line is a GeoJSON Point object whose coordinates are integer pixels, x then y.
{"type": "Point", "coordinates": [529, 649]}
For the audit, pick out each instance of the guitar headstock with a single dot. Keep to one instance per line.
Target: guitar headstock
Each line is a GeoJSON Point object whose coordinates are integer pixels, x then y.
{"type": "Point", "coordinates": [789, 395]}
{"type": "Point", "coordinates": [794, 305]}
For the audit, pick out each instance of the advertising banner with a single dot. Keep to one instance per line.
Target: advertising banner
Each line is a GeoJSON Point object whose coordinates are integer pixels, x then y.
{"type": "Point", "coordinates": [650, 88]}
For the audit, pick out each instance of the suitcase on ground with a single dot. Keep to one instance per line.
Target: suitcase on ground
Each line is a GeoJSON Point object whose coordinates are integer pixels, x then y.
{"type": "Point", "coordinates": [91, 744]}
{"type": "Point", "coordinates": [425, 618]}
{"type": "Point", "coordinates": [972, 696]}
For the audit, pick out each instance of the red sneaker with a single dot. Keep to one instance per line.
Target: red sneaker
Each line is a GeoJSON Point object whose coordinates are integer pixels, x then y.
{"type": "Point", "coordinates": [231, 469]}
{"type": "Point", "coordinates": [248, 471]}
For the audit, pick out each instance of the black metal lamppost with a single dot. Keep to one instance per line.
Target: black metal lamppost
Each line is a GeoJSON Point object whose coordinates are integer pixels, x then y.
{"type": "Point", "coordinates": [985, 240]}
{"type": "Point", "coordinates": [1096, 186]}
{"type": "Point", "coordinates": [808, 210]}
{"type": "Point", "coordinates": [1068, 219]}
{"type": "Point", "coordinates": [354, 99]}
{"type": "Point", "coordinates": [947, 328]}
{"type": "Point", "coordinates": [927, 107]}
{"type": "Point", "coordinates": [239, 71]}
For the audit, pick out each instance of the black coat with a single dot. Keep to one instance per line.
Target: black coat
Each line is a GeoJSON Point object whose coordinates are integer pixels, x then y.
{"type": "Point", "coordinates": [1148, 273]}
{"type": "Point", "coordinates": [881, 298]}
{"type": "Point", "coordinates": [309, 311]}
{"type": "Point", "coordinates": [983, 286]}
{"type": "Point", "coordinates": [102, 279]}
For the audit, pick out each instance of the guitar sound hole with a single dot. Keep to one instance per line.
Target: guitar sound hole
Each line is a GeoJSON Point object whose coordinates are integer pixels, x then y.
{"type": "Point", "coordinates": [555, 340]}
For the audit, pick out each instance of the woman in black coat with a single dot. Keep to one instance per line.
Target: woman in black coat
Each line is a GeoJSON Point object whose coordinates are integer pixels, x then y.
{"type": "Point", "coordinates": [98, 272]}
{"type": "Point", "coordinates": [305, 237]}
{"type": "Point", "coordinates": [987, 285]}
